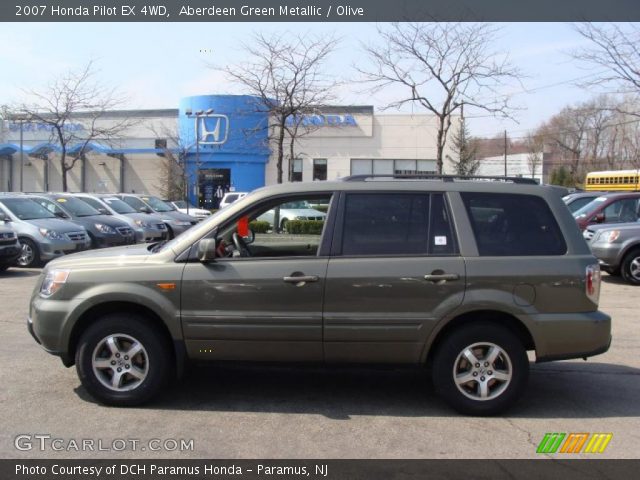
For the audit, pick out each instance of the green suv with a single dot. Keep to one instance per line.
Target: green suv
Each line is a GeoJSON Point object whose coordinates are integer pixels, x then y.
{"type": "Point", "coordinates": [462, 276]}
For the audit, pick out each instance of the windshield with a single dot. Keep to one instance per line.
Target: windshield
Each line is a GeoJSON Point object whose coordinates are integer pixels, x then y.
{"type": "Point", "coordinates": [119, 206]}
{"type": "Point", "coordinates": [93, 203]}
{"type": "Point", "coordinates": [26, 209]}
{"type": "Point", "coordinates": [590, 207]}
{"type": "Point", "coordinates": [157, 204]}
{"type": "Point", "coordinates": [182, 204]}
{"type": "Point", "coordinates": [75, 207]}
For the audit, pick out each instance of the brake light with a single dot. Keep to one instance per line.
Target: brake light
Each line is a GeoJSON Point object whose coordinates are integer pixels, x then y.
{"type": "Point", "coordinates": [592, 283]}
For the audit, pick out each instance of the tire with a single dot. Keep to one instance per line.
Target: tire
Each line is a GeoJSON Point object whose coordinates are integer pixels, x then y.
{"type": "Point", "coordinates": [4, 267]}
{"type": "Point", "coordinates": [152, 363]}
{"type": "Point", "coordinates": [170, 234]}
{"type": "Point", "coordinates": [630, 267]}
{"type": "Point", "coordinates": [511, 363]}
{"type": "Point", "coordinates": [30, 255]}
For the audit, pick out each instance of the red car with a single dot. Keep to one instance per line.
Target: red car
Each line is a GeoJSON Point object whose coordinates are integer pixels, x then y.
{"type": "Point", "coordinates": [610, 208]}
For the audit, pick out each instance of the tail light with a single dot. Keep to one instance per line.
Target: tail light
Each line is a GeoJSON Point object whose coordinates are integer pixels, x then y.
{"type": "Point", "coordinates": [592, 283]}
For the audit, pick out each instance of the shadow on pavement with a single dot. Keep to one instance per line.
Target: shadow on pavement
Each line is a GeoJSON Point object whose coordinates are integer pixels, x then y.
{"type": "Point", "coordinates": [14, 272]}
{"type": "Point", "coordinates": [556, 390]}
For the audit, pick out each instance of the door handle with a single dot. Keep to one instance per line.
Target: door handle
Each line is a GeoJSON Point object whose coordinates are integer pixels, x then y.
{"type": "Point", "coordinates": [442, 277]}
{"type": "Point", "coordinates": [301, 279]}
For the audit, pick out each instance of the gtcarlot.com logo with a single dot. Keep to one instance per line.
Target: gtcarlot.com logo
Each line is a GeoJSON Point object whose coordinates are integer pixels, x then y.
{"type": "Point", "coordinates": [574, 443]}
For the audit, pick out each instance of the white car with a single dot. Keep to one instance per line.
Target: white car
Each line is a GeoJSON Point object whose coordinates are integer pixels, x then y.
{"type": "Point", "coordinates": [198, 213]}
{"type": "Point", "coordinates": [298, 210]}
{"type": "Point", "coordinates": [231, 197]}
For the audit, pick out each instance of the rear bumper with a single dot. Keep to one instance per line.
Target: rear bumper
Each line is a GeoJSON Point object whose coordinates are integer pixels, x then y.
{"type": "Point", "coordinates": [564, 336]}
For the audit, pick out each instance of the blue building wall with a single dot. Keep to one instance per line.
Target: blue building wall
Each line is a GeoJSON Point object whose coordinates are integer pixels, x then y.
{"type": "Point", "coordinates": [241, 136]}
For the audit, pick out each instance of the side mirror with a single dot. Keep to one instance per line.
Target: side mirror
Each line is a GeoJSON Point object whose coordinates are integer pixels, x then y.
{"type": "Point", "coordinates": [144, 209]}
{"type": "Point", "coordinates": [4, 217]}
{"type": "Point", "coordinates": [60, 214]}
{"type": "Point", "coordinates": [599, 218]}
{"type": "Point", "coordinates": [104, 211]}
{"type": "Point", "coordinates": [207, 250]}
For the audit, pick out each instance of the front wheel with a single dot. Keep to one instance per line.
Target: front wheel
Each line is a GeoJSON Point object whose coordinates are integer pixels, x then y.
{"type": "Point", "coordinates": [631, 267]}
{"type": "Point", "coordinates": [480, 369]}
{"type": "Point", "coordinates": [29, 255]}
{"type": "Point", "coordinates": [123, 360]}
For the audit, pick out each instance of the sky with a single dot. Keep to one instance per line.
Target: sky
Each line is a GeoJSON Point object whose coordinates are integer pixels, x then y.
{"type": "Point", "coordinates": [156, 64]}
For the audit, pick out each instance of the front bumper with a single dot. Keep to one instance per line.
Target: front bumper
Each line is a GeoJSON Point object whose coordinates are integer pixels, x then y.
{"type": "Point", "coordinates": [53, 248]}
{"type": "Point", "coordinates": [570, 335]}
{"type": "Point", "coordinates": [9, 253]}
{"type": "Point", "coordinates": [608, 254]}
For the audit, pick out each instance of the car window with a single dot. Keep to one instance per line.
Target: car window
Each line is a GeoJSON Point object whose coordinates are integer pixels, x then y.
{"type": "Point", "coordinates": [578, 203]}
{"type": "Point", "coordinates": [621, 211]}
{"type": "Point", "coordinates": [231, 197]}
{"type": "Point", "coordinates": [26, 208]}
{"type": "Point", "coordinates": [135, 202]}
{"type": "Point", "coordinates": [93, 202]}
{"type": "Point", "coordinates": [513, 225]}
{"type": "Point", "coordinates": [51, 206]}
{"type": "Point", "coordinates": [396, 224]}
{"type": "Point", "coordinates": [277, 230]}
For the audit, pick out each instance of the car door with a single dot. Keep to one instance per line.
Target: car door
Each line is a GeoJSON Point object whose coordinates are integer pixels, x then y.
{"type": "Point", "coordinates": [394, 272]}
{"type": "Point", "coordinates": [263, 307]}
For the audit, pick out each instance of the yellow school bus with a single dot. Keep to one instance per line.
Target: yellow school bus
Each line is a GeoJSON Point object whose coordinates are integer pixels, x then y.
{"type": "Point", "coordinates": [613, 180]}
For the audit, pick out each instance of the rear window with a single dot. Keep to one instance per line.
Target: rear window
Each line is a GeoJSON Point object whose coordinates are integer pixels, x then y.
{"type": "Point", "coordinates": [513, 225]}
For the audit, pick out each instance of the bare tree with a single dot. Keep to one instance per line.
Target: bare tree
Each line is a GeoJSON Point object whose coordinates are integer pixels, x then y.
{"type": "Point", "coordinates": [173, 167]}
{"type": "Point", "coordinates": [73, 107]}
{"type": "Point", "coordinates": [535, 146]}
{"type": "Point", "coordinates": [443, 67]}
{"type": "Point", "coordinates": [285, 72]}
{"type": "Point", "coordinates": [615, 49]}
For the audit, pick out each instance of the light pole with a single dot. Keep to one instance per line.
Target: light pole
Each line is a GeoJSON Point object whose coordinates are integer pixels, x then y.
{"type": "Point", "coordinates": [197, 115]}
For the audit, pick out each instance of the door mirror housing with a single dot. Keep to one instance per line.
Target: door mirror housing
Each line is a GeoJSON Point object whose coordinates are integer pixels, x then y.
{"type": "Point", "coordinates": [62, 215]}
{"type": "Point", "coordinates": [104, 211]}
{"type": "Point", "coordinates": [144, 209]}
{"type": "Point", "coordinates": [4, 217]}
{"type": "Point", "coordinates": [207, 250]}
{"type": "Point", "coordinates": [599, 218]}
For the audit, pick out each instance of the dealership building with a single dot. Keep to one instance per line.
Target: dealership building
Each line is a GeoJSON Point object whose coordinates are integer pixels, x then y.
{"type": "Point", "coordinates": [225, 141]}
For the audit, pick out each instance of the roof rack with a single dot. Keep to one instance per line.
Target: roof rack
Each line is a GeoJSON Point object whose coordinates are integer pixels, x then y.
{"type": "Point", "coordinates": [444, 178]}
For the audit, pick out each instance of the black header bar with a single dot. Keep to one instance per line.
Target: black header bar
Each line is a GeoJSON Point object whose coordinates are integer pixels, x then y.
{"type": "Point", "coordinates": [318, 10]}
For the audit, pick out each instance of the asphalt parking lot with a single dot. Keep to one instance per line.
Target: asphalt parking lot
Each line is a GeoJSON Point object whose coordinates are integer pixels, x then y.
{"type": "Point", "coordinates": [249, 412]}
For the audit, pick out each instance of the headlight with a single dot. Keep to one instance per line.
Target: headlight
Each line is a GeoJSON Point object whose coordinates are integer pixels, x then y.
{"type": "Point", "coordinates": [102, 228]}
{"type": "Point", "coordinates": [180, 223]}
{"type": "Point", "coordinates": [51, 234]}
{"type": "Point", "coordinates": [613, 235]}
{"type": "Point", "coordinates": [142, 224]}
{"type": "Point", "coordinates": [53, 281]}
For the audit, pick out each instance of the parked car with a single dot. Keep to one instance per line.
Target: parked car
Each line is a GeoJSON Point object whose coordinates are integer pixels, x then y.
{"type": "Point", "coordinates": [575, 201]}
{"type": "Point", "coordinates": [41, 234]}
{"type": "Point", "coordinates": [9, 246]}
{"type": "Point", "coordinates": [617, 247]}
{"type": "Point", "coordinates": [296, 210]}
{"type": "Point", "coordinates": [176, 222]}
{"type": "Point", "coordinates": [449, 274]}
{"type": "Point", "coordinates": [104, 230]}
{"type": "Point", "coordinates": [181, 206]}
{"type": "Point", "coordinates": [147, 228]}
{"type": "Point", "coordinates": [231, 197]}
{"type": "Point", "coordinates": [609, 208]}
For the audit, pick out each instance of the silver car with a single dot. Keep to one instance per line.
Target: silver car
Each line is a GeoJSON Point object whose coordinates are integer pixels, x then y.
{"type": "Point", "coordinates": [9, 245]}
{"type": "Point", "coordinates": [296, 210]}
{"type": "Point", "coordinates": [617, 248]}
{"type": "Point", "coordinates": [176, 221]}
{"type": "Point", "coordinates": [147, 228]}
{"type": "Point", "coordinates": [42, 235]}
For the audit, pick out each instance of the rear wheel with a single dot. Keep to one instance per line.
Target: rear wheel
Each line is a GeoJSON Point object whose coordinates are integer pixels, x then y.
{"type": "Point", "coordinates": [3, 267]}
{"type": "Point", "coordinates": [30, 255]}
{"type": "Point", "coordinates": [631, 267]}
{"type": "Point", "coordinates": [123, 360]}
{"type": "Point", "coordinates": [480, 369]}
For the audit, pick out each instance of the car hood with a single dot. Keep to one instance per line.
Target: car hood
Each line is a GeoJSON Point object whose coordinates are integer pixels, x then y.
{"type": "Point", "coordinates": [62, 226]}
{"type": "Point", "coordinates": [616, 226]}
{"type": "Point", "coordinates": [115, 256]}
{"type": "Point", "coordinates": [195, 211]}
{"type": "Point", "coordinates": [104, 219]}
{"type": "Point", "coordinates": [145, 217]}
{"type": "Point", "coordinates": [176, 215]}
